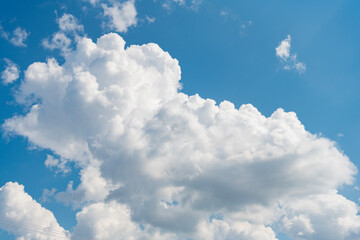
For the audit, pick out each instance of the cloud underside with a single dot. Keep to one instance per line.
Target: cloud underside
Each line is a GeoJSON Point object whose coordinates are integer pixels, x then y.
{"type": "Point", "coordinates": [159, 164]}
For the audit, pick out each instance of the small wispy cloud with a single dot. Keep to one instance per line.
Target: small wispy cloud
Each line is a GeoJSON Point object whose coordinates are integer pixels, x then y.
{"type": "Point", "coordinates": [11, 72]}
{"type": "Point", "coordinates": [69, 27]}
{"type": "Point", "coordinates": [17, 37]}
{"type": "Point", "coordinates": [288, 60]}
{"type": "Point", "coordinates": [69, 23]}
{"type": "Point", "coordinates": [235, 20]}
{"type": "Point", "coordinates": [191, 4]}
{"type": "Point", "coordinates": [150, 19]}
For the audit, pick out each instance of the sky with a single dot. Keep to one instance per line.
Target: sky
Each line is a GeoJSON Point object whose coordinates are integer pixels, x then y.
{"type": "Point", "coordinates": [179, 119]}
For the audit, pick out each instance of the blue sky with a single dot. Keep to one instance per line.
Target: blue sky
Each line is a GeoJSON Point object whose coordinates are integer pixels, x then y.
{"type": "Point", "coordinates": [226, 51]}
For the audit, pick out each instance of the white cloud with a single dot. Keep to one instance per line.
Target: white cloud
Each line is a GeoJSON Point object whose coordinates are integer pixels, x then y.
{"type": "Point", "coordinates": [59, 165]}
{"type": "Point", "coordinates": [58, 40]}
{"type": "Point", "coordinates": [169, 161]}
{"type": "Point", "coordinates": [150, 19]}
{"type": "Point", "coordinates": [69, 30]}
{"type": "Point", "coordinates": [192, 4]}
{"type": "Point", "coordinates": [283, 50]}
{"type": "Point", "coordinates": [11, 72]}
{"type": "Point", "coordinates": [289, 61]}
{"type": "Point", "coordinates": [106, 221]}
{"type": "Point", "coordinates": [220, 229]}
{"type": "Point", "coordinates": [69, 23]}
{"type": "Point", "coordinates": [322, 216]}
{"type": "Point", "coordinates": [92, 2]}
{"type": "Point", "coordinates": [17, 38]}
{"type": "Point", "coordinates": [25, 218]}
{"type": "Point", "coordinates": [121, 15]}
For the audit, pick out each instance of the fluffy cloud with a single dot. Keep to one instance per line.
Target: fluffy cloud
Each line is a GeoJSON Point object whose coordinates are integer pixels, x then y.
{"type": "Point", "coordinates": [155, 157]}
{"type": "Point", "coordinates": [121, 15]}
{"type": "Point", "coordinates": [58, 40]}
{"type": "Point", "coordinates": [25, 218]}
{"type": "Point", "coordinates": [220, 229]}
{"type": "Point", "coordinates": [17, 37]}
{"type": "Point", "coordinates": [92, 2]}
{"type": "Point", "coordinates": [322, 216]}
{"type": "Point", "coordinates": [11, 72]}
{"type": "Point", "coordinates": [68, 25]}
{"type": "Point", "coordinates": [107, 221]}
{"type": "Point", "coordinates": [289, 61]}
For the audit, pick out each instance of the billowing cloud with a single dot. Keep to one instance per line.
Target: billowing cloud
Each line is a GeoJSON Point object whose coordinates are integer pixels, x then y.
{"type": "Point", "coordinates": [10, 73]}
{"type": "Point", "coordinates": [25, 218]}
{"type": "Point", "coordinates": [289, 61]}
{"type": "Point", "coordinates": [154, 157]}
{"type": "Point", "coordinates": [121, 15]}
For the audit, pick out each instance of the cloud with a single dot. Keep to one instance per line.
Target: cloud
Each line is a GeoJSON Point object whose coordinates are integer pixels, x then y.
{"type": "Point", "coordinates": [11, 72]}
{"type": "Point", "coordinates": [322, 216]}
{"type": "Point", "coordinates": [192, 4]}
{"type": "Point", "coordinates": [150, 19]}
{"type": "Point", "coordinates": [92, 2]}
{"type": "Point", "coordinates": [59, 165]}
{"type": "Point", "coordinates": [68, 25]}
{"type": "Point", "coordinates": [25, 218]}
{"type": "Point", "coordinates": [121, 15]}
{"type": "Point", "coordinates": [167, 161]}
{"type": "Point", "coordinates": [17, 37]}
{"type": "Point", "coordinates": [288, 60]}
{"type": "Point", "coordinates": [58, 40]}
{"type": "Point", "coordinates": [106, 221]}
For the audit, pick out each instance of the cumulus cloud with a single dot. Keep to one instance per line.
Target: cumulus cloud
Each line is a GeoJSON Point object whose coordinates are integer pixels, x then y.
{"type": "Point", "coordinates": [155, 157]}
{"type": "Point", "coordinates": [17, 37]}
{"type": "Point", "coordinates": [289, 61]}
{"type": "Point", "coordinates": [121, 15]}
{"type": "Point", "coordinates": [11, 72]}
{"type": "Point", "coordinates": [25, 218]}
{"type": "Point", "coordinates": [322, 216]}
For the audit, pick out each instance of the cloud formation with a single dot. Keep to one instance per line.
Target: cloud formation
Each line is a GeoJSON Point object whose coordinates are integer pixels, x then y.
{"type": "Point", "coordinates": [11, 72]}
{"type": "Point", "coordinates": [288, 60]}
{"type": "Point", "coordinates": [25, 218]}
{"type": "Point", "coordinates": [121, 15]}
{"type": "Point", "coordinates": [159, 164]}
{"type": "Point", "coordinates": [69, 30]}
{"type": "Point", "coordinates": [17, 37]}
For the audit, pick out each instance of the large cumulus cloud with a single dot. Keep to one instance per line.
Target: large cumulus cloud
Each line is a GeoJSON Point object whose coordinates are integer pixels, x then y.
{"type": "Point", "coordinates": [168, 162]}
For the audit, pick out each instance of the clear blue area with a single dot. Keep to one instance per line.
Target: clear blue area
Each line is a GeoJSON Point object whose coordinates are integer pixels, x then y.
{"type": "Point", "coordinates": [219, 60]}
